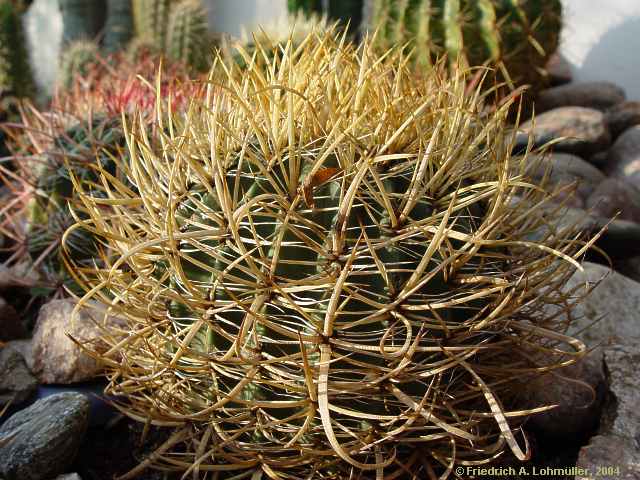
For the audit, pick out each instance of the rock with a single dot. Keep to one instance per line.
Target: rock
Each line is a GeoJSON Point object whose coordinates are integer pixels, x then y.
{"type": "Point", "coordinates": [612, 311]}
{"type": "Point", "coordinates": [629, 267]}
{"type": "Point", "coordinates": [613, 196]}
{"type": "Point", "coordinates": [608, 457]}
{"type": "Point", "coordinates": [598, 159]}
{"type": "Point", "coordinates": [584, 129]}
{"type": "Point", "coordinates": [596, 95]}
{"type": "Point", "coordinates": [567, 169]}
{"type": "Point", "coordinates": [11, 327]}
{"type": "Point", "coordinates": [621, 117]}
{"type": "Point", "coordinates": [624, 377]}
{"type": "Point", "coordinates": [624, 157]}
{"type": "Point", "coordinates": [42, 440]}
{"type": "Point", "coordinates": [69, 476]}
{"type": "Point", "coordinates": [57, 358]}
{"type": "Point", "coordinates": [17, 384]}
{"type": "Point", "coordinates": [578, 391]}
{"type": "Point", "coordinates": [558, 70]}
{"type": "Point", "coordinates": [620, 238]}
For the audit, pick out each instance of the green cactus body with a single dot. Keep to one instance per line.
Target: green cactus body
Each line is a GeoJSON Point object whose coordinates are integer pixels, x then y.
{"type": "Point", "coordinates": [518, 35]}
{"type": "Point", "coordinates": [347, 11]}
{"type": "Point", "coordinates": [151, 18]}
{"type": "Point", "coordinates": [76, 59]}
{"type": "Point", "coordinates": [15, 73]}
{"type": "Point", "coordinates": [82, 19]}
{"type": "Point", "coordinates": [119, 26]}
{"type": "Point", "coordinates": [188, 34]}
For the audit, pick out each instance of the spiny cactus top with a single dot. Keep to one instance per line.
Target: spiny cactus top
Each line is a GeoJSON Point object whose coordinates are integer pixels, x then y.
{"type": "Point", "coordinates": [327, 271]}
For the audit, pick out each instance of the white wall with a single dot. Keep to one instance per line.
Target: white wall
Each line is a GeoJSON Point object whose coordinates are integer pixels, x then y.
{"type": "Point", "coordinates": [601, 40]}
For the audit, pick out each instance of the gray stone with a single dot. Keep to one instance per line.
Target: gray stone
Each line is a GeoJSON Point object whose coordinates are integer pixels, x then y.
{"type": "Point", "coordinates": [578, 130]}
{"type": "Point", "coordinates": [11, 327]}
{"type": "Point", "coordinates": [596, 95]}
{"type": "Point", "coordinates": [615, 196]}
{"type": "Point", "coordinates": [42, 440]}
{"type": "Point", "coordinates": [624, 156]}
{"type": "Point", "coordinates": [57, 359]}
{"type": "Point", "coordinates": [17, 384]}
{"type": "Point", "coordinates": [622, 117]}
{"type": "Point", "coordinates": [565, 169]}
{"type": "Point", "coordinates": [619, 238]}
{"type": "Point", "coordinates": [629, 267]}
{"type": "Point", "coordinates": [559, 70]}
{"type": "Point", "coordinates": [599, 159]}
{"type": "Point", "coordinates": [611, 312]}
{"type": "Point", "coordinates": [69, 476]}
{"type": "Point", "coordinates": [609, 457]}
{"type": "Point", "coordinates": [578, 391]}
{"type": "Point", "coordinates": [610, 318]}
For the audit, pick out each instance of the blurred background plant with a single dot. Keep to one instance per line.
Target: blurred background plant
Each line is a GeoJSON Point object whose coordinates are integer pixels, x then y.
{"type": "Point", "coordinates": [81, 128]}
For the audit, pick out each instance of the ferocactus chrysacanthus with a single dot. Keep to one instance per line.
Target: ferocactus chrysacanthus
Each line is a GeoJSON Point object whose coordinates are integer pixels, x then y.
{"type": "Point", "coordinates": [326, 273]}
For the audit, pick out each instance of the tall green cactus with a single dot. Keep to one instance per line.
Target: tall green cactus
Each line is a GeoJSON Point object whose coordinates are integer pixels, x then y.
{"type": "Point", "coordinates": [151, 18]}
{"type": "Point", "coordinates": [81, 18]}
{"type": "Point", "coordinates": [515, 36]}
{"type": "Point", "coordinates": [119, 26]}
{"type": "Point", "coordinates": [188, 34]}
{"type": "Point", "coordinates": [15, 73]}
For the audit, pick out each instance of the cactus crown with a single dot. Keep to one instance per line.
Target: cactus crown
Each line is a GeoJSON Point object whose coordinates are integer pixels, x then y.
{"type": "Point", "coordinates": [325, 271]}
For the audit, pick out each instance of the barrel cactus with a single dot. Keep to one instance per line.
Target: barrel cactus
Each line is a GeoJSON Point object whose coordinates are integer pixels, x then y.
{"type": "Point", "coordinates": [327, 271]}
{"type": "Point", "coordinates": [517, 37]}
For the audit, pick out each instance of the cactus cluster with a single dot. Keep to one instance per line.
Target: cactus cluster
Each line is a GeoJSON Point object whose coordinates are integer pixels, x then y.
{"type": "Point", "coordinates": [177, 29]}
{"type": "Point", "coordinates": [327, 271]}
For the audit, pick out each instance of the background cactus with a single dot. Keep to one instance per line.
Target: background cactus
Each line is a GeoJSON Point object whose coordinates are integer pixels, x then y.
{"type": "Point", "coordinates": [517, 37]}
{"type": "Point", "coordinates": [15, 72]}
{"type": "Point", "coordinates": [347, 11]}
{"type": "Point", "coordinates": [151, 18]}
{"type": "Point", "coordinates": [82, 19]}
{"type": "Point", "coordinates": [327, 272]}
{"type": "Point", "coordinates": [76, 60]}
{"type": "Point", "coordinates": [118, 29]}
{"type": "Point", "coordinates": [188, 37]}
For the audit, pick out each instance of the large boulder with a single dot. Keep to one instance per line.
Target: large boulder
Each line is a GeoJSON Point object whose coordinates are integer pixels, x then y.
{"type": "Point", "coordinates": [41, 441]}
